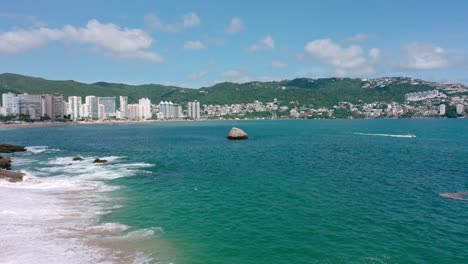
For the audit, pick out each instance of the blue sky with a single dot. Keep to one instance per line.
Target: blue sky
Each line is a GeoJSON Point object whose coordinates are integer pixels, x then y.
{"type": "Point", "coordinates": [199, 43]}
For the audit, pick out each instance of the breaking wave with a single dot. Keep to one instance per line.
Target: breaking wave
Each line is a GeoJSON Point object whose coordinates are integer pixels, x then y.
{"type": "Point", "coordinates": [40, 149]}
{"type": "Point", "coordinates": [53, 215]}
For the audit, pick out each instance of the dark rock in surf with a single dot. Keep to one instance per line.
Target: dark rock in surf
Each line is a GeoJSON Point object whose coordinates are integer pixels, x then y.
{"type": "Point", "coordinates": [99, 161]}
{"type": "Point", "coordinates": [77, 158]}
{"type": "Point", "coordinates": [11, 176]}
{"type": "Point", "coordinates": [8, 148]}
{"type": "Point", "coordinates": [5, 163]}
{"type": "Point", "coordinates": [237, 134]}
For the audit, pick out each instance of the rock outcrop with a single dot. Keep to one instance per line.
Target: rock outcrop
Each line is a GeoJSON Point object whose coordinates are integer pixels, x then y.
{"type": "Point", "coordinates": [5, 163]}
{"type": "Point", "coordinates": [237, 134]}
{"type": "Point", "coordinates": [7, 148]}
{"type": "Point", "coordinates": [77, 158]}
{"type": "Point", "coordinates": [11, 176]}
{"type": "Point", "coordinates": [99, 161]}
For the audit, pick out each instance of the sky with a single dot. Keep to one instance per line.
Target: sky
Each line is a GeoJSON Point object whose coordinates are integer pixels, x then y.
{"type": "Point", "coordinates": [200, 43]}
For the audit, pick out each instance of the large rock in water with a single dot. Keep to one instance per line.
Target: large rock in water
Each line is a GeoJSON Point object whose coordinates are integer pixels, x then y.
{"type": "Point", "coordinates": [11, 176]}
{"type": "Point", "coordinates": [99, 161]}
{"type": "Point", "coordinates": [7, 148]}
{"type": "Point", "coordinates": [5, 163]}
{"type": "Point", "coordinates": [237, 134]}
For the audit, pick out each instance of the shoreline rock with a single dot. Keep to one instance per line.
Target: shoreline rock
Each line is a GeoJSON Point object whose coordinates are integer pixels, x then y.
{"type": "Point", "coordinates": [5, 163]}
{"type": "Point", "coordinates": [237, 134]}
{"type": "Point", "coordinates": [99, 161]}
{"type": "Point", "coordinates": [11, 176]}
{"type": "Point", "coordinates": [8, 148]}
{"type": "Point", "coordinates": [77, 158]}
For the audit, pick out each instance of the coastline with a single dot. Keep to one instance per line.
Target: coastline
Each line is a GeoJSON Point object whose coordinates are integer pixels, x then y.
{"type": "Point", "coordinates": [120, 122]}
{"type": "Point", "coordinates": [59, 206]}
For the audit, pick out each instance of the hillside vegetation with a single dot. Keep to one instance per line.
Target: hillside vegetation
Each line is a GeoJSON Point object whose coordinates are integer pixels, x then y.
{"type": "Point", "coordinates": [320, 92]}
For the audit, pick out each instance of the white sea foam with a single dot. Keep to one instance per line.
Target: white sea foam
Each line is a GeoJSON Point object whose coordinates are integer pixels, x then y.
{"type": "Point", "coordinates": [86, 169]}
{"type": "Point", "coordinates": [386, 135]}
{"type": "Point", "coordinates": [40, 149]}
{"type": "Point", "coordinates": [53, 215]}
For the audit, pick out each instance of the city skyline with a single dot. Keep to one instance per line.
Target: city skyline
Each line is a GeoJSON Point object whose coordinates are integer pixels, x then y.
{"type": "Point", "coordinates": [199, 44]}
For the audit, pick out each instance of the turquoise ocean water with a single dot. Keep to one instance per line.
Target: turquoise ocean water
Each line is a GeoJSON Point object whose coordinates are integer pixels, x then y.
{"type": "Point", "coordinates": [297, 191]}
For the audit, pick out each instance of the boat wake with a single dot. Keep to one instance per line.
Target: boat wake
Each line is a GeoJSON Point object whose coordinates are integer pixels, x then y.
{"type": "Point", "coordinates": [463, 196]}
{"type": "Point", "coordinates": [386, 135]}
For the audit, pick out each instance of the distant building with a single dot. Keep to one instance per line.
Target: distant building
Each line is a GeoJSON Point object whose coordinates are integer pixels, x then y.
{"type": "Point", "coordinates": [460, 109]}
{"type": "Point", "coordinates": [102, 112]}
{"type": "Point", "coordinates": [418, 96]}
{"type": "Point", "coordinates": [193, 110]}
{"type": "Point", "coordinates": [92, 107]}
{"type": "Point", "coordinates": [109, 107]}
{"type": "Point", "coordinates": [442, 109]}
{"type": "Point", "coordinates": [75, 107]}
{"type": "Point", "coordinates": [134, 111]}
{"type": "Point", "coordinates": [177, 111]}
{"type": "Point", "coordinates": [52, 106]}
{"type": "Point", "coordinates": [10, 104]}
{"type": "Point", "coordinates": [145, 108]}
{"type": "Point", "coordinates": [123, 100]}
{"type": "Point", "coordinates": [57, 106]}
{"type": "Point", "coordinates": [46, 103]}
{"type": "Point", "coordinates": [31, 105]}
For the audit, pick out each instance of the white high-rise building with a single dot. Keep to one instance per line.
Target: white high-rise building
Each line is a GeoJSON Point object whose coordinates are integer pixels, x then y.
{"type": "Point", "coordinates": [123, 100]}
{"type": "Point", "coordinates": [169, 110]}
{"type": "Point", "coordinates": [57, 106]}
{"type": "Point", "coordinates": [75, 107]}
{"type": "Point", "coordinates": [109, 107]}
{"type": "Point", "coordinates": [193, 109]}
{"type": "Point", "coordinates": [10, 103]}
{"type": "Point", "coordinates": [145, 105]}
{"type": "Point", "coordinates": [134, 112]}
{"type": "Point", "coordinates": [92, 107]}
{"type": "Point", "coordinates": [460, 109]}
{"type": "Point", "coordinates": [442, 109]}
{"type": "Point", "coordinates": [31, 105]}
{"type": "Point", "coordinates": [177, 111]}
{"type": "Point", "coordinates": [102, 112]}
{"type": "Point", "coordinates": [52, 106]}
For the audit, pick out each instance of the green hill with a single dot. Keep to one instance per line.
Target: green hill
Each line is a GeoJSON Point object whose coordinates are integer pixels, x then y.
{"type": "Point", "coordinates": [318, 92]}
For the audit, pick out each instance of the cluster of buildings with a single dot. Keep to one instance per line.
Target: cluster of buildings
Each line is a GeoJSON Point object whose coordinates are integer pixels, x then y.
{"type": "Point", "coordinates": [444, 99]}
{"type": "Point", "coordinates": [55, 107]}
{"type": "Point", "coordinates": [425, 104]}
{"type": "Point", "coordinates": [49, 106]}
{"type": "Point", "coordinates": [418, 96]}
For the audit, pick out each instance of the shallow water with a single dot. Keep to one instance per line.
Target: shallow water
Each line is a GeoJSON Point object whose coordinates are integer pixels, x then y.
{"type": "Point", "coordinates": [305, 191]}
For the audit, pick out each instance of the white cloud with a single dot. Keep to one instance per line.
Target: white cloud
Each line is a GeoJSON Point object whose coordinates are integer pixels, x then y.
{"type": "Point", "coordinates": [350, 60]}
{"type": "Point", "coordinates": [197, 75]}
{"type": "Point", "coordinates": [156, 23]}
{"type": "Point", "coordinates": [188, 20]}
{"type": "Point", "coordinates": [107, 38]}
{"type": "Point", "coordinates": [36, 22]}
{"type": "Point", "coordinates": [21, 40]}
{"type": "Point", "coordinates": [194, 45]}
{"type": "Point", "coordinates": [235, 26]}
{"type": "Point", "coordinates": [358, 37]}
{"type": "Point", "coordinates": [420, 56]}
{"type": "Point", "coordinates": [374, 54]}
{"type": "Point", "coordinates": [238, 76]}
{"type": "Point", "coordinates": [279, 64]}
{"type": "Point", "coordinates": [263, 44]}
{"type": "Point", "coordinates": [191, 20]}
